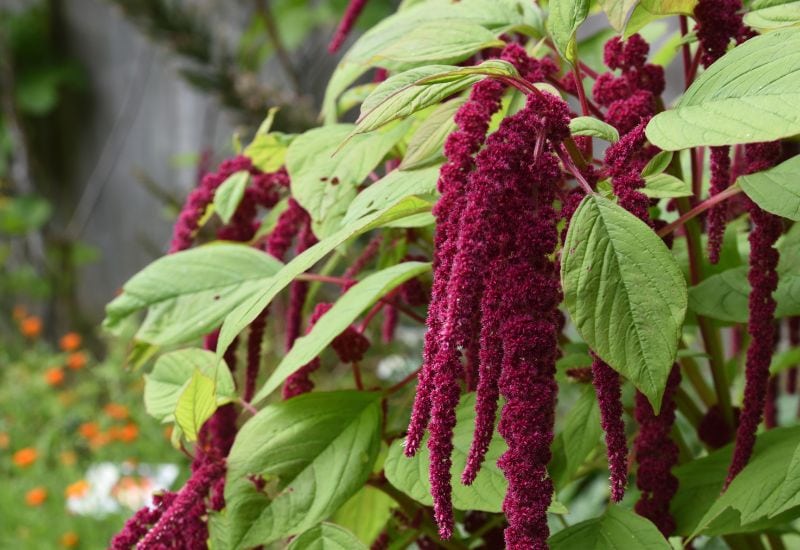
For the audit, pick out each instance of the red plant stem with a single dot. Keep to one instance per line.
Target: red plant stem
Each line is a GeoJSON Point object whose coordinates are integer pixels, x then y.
{"type": "Point", "coordinates": [576, 73]}
{"type": "Point", "coordinates": [699, 209]}
{"type": "Point", "coordinates": [569, 165]}
{"type": "Point", "coordinates": [246, 405]}
{"type": "Point", "coordinates": [695, 65]}
{"type": "Point", "coordinates": [357, 375]}
{"type": "Point", "coordinates": [593, 109]}
{"type": "Point", "coordinates": [686, 51]}
{"type": "Point", "coordinates": [371, 315]}
{"type": "Point", "coordinates": [398, 386]}
{"type": "Point", "coordinates": [588, 70]}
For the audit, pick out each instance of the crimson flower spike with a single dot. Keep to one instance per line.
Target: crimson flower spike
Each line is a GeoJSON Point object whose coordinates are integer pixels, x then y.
{"type": "Point", "coordinates": [472, 120]}
{"type": "Point", "coordinates": [763, 278]}
{"type": "Point", "coordinates": [609, 396]}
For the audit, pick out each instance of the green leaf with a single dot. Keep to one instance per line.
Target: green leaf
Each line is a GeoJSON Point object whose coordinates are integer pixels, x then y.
{"type": "Point", "coordinates": [657, 164]}
{"type": "Point", "coordinates": [20, 215]}
{"type": "Point", "coordinates": [580, 435]}
{"type": "Point", "coordinates": [618, 528]}
{"type": "Point", "coordinates": [496, 15]}
{"type": "Point", "coordinates": [410, 475]}
{"type": "Point", "coordinates": [764, 494]}
{"type": "Point", "coordinates": [229, 194]}
{"type": "Point", "coordinates": [590, 126]}
{"type": "Point", "coordinates": [722, 296]}
{"type": "Point", "coordinates": [172, 374]}
{"type": "Point", "coordinates": [749, 95]}
{"type": "Point", "coordinates": [774, 17]}
{"type": "Point", "coordinates": [431, 41]}
{"type": "Point", "coordinates": [391, 188]}
{"type": "Point", "coordinates": [776, 190]}
{"type": "Point", "coordinates": [326, 536]}
{"type": "Point", "coordinates": [313, 452]}
{"type": "Point", "coordinates": [647, 11]}
{"type": "Point", "coordinates": [187, 294]}
{"type": "Point", "coordinates": [325, 173]}
{"type": "Point", "coordinates": [624, 292]}
{"type": "Point", "coordinates": [665, 186]}
{"type": "Point", "coordinates": [565, 18]}
{"type": "Point", "coordinates": [365, 514]}
{"type": "Point", "coordinates": [784, 361]}
{"type": "Point", "coordinates": [413, 90]}
{"type": "Point", "coordinates": [426, 145]}
{"type": "Point", "coordinates": [244, 314]}
{"type": "Point", "coordinates": [268, 151]}
{"type": "Point", "coordinates": [617, 11]}
{"type": "Point", "coordinates": [195, 405]}
{"type": "Point", "coordinates": [346, 310]}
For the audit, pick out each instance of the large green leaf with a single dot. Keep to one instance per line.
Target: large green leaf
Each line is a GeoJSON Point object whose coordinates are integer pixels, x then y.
{"type": "Point", "coordinates": [268, 151]}
{"type": "Point", "coordinates": [366, 513]}
{"type": "Point", "coordinates": [766, 492]}
{"type": "Point", "coordinates": [624, 292]}
{"type": "Point", "coordinates": [774, 17]}
{"type": "Point", "coordinates": [617, 529]}
{"type": "Point", "coordinates": [563, 22]}
{"type": "Point", "coordinates": [196, 403]}
{"type": "Point", "coordinates": [749, 95]}
{"type": "Point", "coordinates": [393, 187]}
{"type": "Point", "coordinates": [313, 452]}
{"type": "Point", "coordinates": [647, 11]}
{"type": "Point", "coordinates": [187, 294]}
{"type": "Point", "coordinates": [346, 310]}
{"type": "Point", "coordinates": [426, 145]}
{"type": "Point", "coordinates": [496, 15]}
{"type": "Point", "coordinates": [325, 173]}
{"type": "Point", "coordinates": [244, 314]}
{"type": "Point", "coordinates": [326, 536]}
{"type": "Point", "coordinates": [172, 374]}
{"type": "Point", "coordinates": [776, 190]}
{"type": "Point", "coordinates": [665, 186]}
{"type": "Point", "coordinates": [617, 11]}
{"type": "Point", "coordinates": [415, 89]}
{"type": "Point", "coordinates": [228, 195]}
{"type": "Point", "coordinates": [486, 493]}
{"type": "Point", "coordinates": [580, 435]}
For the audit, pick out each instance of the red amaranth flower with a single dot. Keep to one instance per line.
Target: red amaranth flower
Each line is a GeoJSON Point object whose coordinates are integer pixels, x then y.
{"type": "Point", "coordinates": [713, 430]}
{"type": "Point", "coordinates": [353, 10]}
{"type": "Point", "coordinates": [719, 22]}
{"type": "Point", "coordinates": [656, 454]}
{"type": "Point", "coordinates": [199, 199]}
{"type": "Point", "coordinates": [771, 404]}
{"type": "Point", "coordinates": [141, 522]}
{"type": "Point", "coordinates": [299, 382]}
{"type": "Point", "coordinates": [718, 214]}
{"type": "Point", "coordinates": [609, 396]}
{"type": "Point", "coordinates": [624, 165]}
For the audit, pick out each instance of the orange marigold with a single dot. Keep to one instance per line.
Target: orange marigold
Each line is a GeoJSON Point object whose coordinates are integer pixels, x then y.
{"type": "Point", "coordinates": [71, 341]}
{"type": "Point", "coordinates": [25, 457]}
{"type": "Point", "coordinates": [116, 411]}
{"type": "Point", "coordinates": [77, 489]}
{"type": "Point", "coordinates": [36, 496]}
{"type": "Point", "coordinates": [31, 327]}
{"type": "Point", "coordinates": [129, 433]}
{"type": "Point", "coordinates": [77, 360]}
{"type": "Point", "coordinates": [69, 539]}
{"type": "Point", "coordinates": [54, 376]}
{"type": "Point", "coordinates": [89, 429]}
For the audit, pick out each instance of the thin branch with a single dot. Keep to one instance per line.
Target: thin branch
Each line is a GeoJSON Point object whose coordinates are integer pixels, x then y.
{"type": "Point", "coordinates": [699, 209]}
{"type": "Point", "coordinates": [275, 39]}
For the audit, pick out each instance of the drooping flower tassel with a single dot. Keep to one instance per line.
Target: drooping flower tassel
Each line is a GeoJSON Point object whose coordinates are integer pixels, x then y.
{"type": "Point", "coordinates": [299, 381]}
{"type": "Point", "coordinates": [794, 341]}
{"type": "Point", "coordinates": [141, 522]}
{"type": "Point", "coordinates": [718, 214]}
{"type": "Point", "coordinates": [353, 10]}
{"type": "Point", "coordinates": [609, 396]}
{"type": "Point", "coordinates": [656, 455]}
{"type": "Point", "coordinates": [299, 289]}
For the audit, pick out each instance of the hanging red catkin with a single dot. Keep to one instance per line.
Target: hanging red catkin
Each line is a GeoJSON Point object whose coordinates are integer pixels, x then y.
{"type": "Point", "coordinates": [656, 454]}
{"type": "Point", "coordinates": [794, 341]}
{"type": "Point", "coordinates": [609, 396]}
{"type": "Point", "coordinates": [354, 9]}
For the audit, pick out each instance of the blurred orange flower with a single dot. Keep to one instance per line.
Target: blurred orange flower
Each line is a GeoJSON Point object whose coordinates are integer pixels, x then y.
{"type": "Point", "coordinates": [36, 496]}
{"type": "Point", "coordinates": [71, 341]}
{"type": "Point", "coordinates": [77, 360]}
{"type": "Point", "coordinates": [89, 429]}
{"type": "Point", "coordinates": [116, 411]}
{"type": "Point", "coordinates": [31, 327]}
{"type": "Point", "coordinates": [77, 489]}
{"type": "Point", "coordinates": [68, 458]}
{"type": "Point", "coordinates": [25, 457]}
{"type": "Point", "coordinates": [20, 312]}
{"type": "Point", "coordinates": [99, 440]}
{"type": "Point", "coordinates": [4, 440]}
{"type": "Point", "coordinates": [129, 433]}
{"type": "Point", "coordinates": [54, 376]}
{"type": "Point", "coordinates": [69, 539]}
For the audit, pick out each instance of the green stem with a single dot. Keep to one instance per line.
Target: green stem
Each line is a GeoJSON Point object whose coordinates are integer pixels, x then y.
{"type": "Point", "coordinates": [688, 408]}
{"type": "Point", "coordinates": [692, 371]}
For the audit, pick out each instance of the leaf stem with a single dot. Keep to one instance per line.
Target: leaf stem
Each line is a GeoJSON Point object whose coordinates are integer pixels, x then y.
{"type": "Point", "coordinates": [566, 159]}
{"type": "Point", "coordinates": [576, 73]}
{"type": "Point", "coordinates": [357, 375]}
{"type": "Point", "coordinates": [399, 385]}
{"type": "Point", "coordinates": [699, 209]}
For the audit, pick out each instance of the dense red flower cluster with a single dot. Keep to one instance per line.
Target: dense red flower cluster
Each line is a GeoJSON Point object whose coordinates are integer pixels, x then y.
{"type": "Point", "coordinates": [609, 396]}
{"type": "Point", "coordinates": [631, 96]}
{"type": "Point", "coordinates": [656, 454]}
